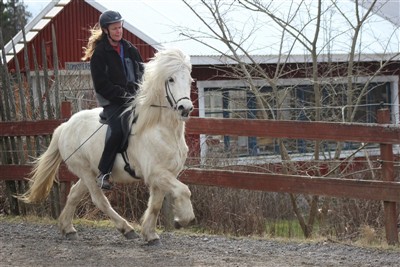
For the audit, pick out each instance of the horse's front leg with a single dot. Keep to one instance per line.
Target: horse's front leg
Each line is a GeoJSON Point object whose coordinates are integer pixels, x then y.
{"type": "Point", "coordinates": [150, 216]}
{"type": "Point", "coordinates": [182, 205]}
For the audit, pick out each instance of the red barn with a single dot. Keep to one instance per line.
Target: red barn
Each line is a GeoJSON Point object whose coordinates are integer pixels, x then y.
{"type": "Point", "coordinates": [71, 21]}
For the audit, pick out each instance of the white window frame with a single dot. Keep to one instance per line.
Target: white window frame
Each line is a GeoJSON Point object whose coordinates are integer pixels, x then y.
{"type": "Point", "coordinates": [201, 85]}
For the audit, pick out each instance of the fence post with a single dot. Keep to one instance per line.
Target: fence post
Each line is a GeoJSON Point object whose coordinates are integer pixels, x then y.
{"type": "Point", "coordinates": [386, 151]}
{"type": "Point", "coordinates": [66, 110]}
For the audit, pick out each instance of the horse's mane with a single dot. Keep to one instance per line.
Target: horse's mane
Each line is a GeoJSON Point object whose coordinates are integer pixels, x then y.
{"type": "Point", "coordinates": [152, 88]}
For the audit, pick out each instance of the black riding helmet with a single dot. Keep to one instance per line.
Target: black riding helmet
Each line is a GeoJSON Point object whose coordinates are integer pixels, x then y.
{"type": "Point", "coordinates": [108, 17]}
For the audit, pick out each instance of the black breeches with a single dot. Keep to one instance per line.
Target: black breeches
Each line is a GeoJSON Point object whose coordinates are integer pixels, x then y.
{"type": "Point", "coordinates": [113, 139]}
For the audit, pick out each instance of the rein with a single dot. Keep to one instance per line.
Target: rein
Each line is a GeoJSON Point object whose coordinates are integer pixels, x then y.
{"type": "Point", "coordinates": [102, 123]}
{"type": "Point", "coordinates": [159, 106]}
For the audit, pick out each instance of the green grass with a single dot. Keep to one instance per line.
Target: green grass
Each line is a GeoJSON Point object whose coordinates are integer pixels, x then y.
{"type": "Point", "coordinates": [284, 229]}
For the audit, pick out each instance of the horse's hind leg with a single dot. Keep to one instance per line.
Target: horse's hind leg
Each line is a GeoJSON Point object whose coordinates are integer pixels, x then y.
{"type": "Point", "coordinates": [76, 194]}
{"type": "Point", "coordinates": [100, 200]}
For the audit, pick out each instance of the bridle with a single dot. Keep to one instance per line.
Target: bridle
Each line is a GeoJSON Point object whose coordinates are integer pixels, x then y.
{"type": "Point", "coordinates": [170, 97]}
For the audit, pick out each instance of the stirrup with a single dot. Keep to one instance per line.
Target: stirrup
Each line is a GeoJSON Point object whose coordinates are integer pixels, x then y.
{"type": "Point", "coordinates": [103, 181]}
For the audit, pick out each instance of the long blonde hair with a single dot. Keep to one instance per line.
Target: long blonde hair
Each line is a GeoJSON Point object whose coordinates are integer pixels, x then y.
{"type": "Point", "coordinates": [96, 34]}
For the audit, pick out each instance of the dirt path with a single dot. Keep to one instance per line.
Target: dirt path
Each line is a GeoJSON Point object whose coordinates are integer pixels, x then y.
{"type": "Point", "coordinates": [31, 244]}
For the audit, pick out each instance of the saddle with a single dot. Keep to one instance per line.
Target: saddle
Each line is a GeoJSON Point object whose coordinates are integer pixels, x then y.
{"type": "Point", "coordinates": [126, 130]}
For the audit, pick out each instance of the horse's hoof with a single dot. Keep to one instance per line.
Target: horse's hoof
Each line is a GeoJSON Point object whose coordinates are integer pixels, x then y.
{"type": "Point", "coordinates": [71, 236]}
{"type": "Point", "coordinates": [177, 225]}
{"type": "Point", "coordinates": [131, 235]}
{"type": "Point", "coordinates": [154, 242]}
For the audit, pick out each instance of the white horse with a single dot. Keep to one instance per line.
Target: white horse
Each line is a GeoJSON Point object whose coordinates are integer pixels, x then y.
{"type": "Point", "coordinates": [157, 150]}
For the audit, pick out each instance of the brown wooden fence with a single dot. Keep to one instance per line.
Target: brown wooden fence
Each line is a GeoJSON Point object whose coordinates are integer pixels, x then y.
{"type": "Point", "coordinates": [386, 190]}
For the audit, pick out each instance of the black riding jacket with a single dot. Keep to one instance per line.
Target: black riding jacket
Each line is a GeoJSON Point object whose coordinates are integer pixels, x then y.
{"type": "Point", "coordinates": [111, 82]}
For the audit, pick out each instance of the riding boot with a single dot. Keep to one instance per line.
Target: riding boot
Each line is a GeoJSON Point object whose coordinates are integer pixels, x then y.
{"type": "Point", "coordinates": [103, 181]}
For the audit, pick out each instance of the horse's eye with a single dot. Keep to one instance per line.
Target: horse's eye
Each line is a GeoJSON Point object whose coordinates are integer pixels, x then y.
{"type": "Point", "coordinates": [171, 80]}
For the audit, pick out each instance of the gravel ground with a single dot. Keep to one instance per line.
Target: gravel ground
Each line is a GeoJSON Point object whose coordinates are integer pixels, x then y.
{"type": "Point", "coordinates": [33, 244]}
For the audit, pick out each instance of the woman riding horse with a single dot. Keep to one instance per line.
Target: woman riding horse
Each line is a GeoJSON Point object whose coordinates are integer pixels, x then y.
{"type": "Point", "coordinates": [116, 68]}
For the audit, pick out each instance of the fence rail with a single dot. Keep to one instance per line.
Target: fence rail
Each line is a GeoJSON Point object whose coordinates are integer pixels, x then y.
{"type": "Point", "coordinates": [335, 187]}
{"type": "Point", "coordinates": [387, 190]}
{"type": "Point", "coordinates": [356, 132]}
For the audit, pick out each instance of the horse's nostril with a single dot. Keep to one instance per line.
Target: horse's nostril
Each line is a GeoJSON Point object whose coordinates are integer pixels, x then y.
{"type": "Point", "coordinates": [185, 113]}
{"type": "Point", "coordinates": [181, 107]}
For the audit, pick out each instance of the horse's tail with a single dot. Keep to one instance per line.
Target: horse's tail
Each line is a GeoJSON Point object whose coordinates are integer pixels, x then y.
{"type": "Point", "coordinates": [44, 171]}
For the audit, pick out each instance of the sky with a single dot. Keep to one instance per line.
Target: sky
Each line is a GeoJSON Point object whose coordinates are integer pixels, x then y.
{"type": "Point", "coordinates": [35, 6]}
{"type": "Point", "coordinates": [163, 27]}
{"type": "Point", "coordinates": [392, 8]}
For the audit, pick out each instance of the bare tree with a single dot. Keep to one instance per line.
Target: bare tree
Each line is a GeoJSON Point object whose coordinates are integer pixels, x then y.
{"type": "Point", "coordinates": [305, 24]}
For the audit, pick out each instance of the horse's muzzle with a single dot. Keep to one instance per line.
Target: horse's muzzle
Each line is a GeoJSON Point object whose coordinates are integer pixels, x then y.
{"type": "Point", "coordinates": [184, 111]}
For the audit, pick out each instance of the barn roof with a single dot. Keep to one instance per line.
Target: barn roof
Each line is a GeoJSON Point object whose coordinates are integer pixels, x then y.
{"type": "Point", "coordinates": [171, 23]}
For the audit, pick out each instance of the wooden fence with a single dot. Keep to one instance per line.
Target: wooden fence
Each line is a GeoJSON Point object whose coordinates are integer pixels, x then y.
{"type": "Point", "coordinates": [386, 190]}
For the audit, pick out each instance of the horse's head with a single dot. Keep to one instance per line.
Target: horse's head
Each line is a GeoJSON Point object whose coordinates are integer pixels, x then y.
{"type": "Point", "coordinates": [177, 90]}
{"type": "Point", "coordinates": [169, 72]}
